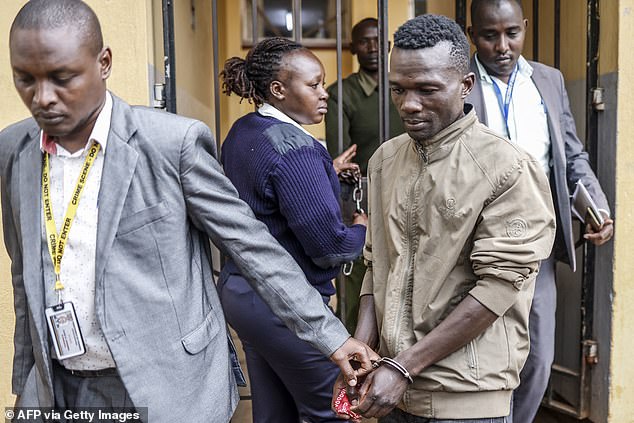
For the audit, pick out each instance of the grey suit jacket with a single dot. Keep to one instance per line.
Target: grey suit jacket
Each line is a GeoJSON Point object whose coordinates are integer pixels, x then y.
{"type": "Point", "coordinates": [569, 161]}
{"type": "Point", "coordinates": [163, 196]}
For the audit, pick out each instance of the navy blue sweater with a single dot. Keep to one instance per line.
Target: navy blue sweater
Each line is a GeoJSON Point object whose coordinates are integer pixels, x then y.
{"type": "Point", "coordinates": [288, 179]}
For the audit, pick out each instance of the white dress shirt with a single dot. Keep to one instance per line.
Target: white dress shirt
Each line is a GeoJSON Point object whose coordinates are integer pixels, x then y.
{"type": "Point", "coordinates": [527, 120]}
{"type": "Point", "coordinates": [78, 263]}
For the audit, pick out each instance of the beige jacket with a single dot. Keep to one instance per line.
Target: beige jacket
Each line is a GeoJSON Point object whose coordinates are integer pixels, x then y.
{"type": "Point", "coordinates": [468, 214]}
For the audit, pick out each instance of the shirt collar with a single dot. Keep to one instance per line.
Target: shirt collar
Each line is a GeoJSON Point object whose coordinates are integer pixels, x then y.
{"type": "Point", "coordinates": [367, 83]}
{"type": "Point", "coordinates": [267, 110]}
{"type": "Point", "coordinates": [99, 133]}
{"type": "Point", "coordinates": [524, 68]}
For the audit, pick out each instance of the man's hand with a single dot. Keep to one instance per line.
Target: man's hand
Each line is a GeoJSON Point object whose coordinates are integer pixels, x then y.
{"type": "Point", "coordinates": [603, 235]}
{"type": "Point", "coordinates": [380, 393]}
{"type": "Point", "coordinates": [353, 350]}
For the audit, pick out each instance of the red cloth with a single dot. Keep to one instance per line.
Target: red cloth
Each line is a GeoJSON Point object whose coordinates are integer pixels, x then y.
{"type": "Point", "coordinates": [49, 145]}
{"type": "Point", "coordinates": [342, 405]}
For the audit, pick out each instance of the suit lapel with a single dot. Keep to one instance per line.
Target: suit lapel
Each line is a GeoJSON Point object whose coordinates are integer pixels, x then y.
{"type": "Point", "coordinates": [476, 98]}
{"type": "Point", "coordinates": [30, 185]}
{"type": "Point", "coordinates": [30, 171]}
{"type": "Point", "coordinates": [118, 169]}
{"type": "Point", "coordinates": [551, 102]}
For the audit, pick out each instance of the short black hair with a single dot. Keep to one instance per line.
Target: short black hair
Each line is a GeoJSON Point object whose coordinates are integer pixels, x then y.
{"type": "Point", "coordinates": [251, 77]}
{"type": "Point", "coordinates": [425, 31]}
{"type": "Point", "coordinates": [54, 14]}
{"type": "Point", "coordinates": [476, 4]}
{"type": "Point", "coordinates": [365, 21]}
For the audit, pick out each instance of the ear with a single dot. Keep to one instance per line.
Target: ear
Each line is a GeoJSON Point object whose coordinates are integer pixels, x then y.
{"type": "Point", "coordinates": [470, 32]}
{"type": "Point", "coordinates": [105, 62]}
{"type": "Point", "coordinates": [525, 23]}
{"type": "Point", "coordinates": [277, 90]}
{"type": "Point", "coordinates": [468, 82]}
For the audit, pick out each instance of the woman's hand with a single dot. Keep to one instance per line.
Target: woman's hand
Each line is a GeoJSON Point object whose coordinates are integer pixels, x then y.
{"type": "Point", "coordinates": [342, 163]}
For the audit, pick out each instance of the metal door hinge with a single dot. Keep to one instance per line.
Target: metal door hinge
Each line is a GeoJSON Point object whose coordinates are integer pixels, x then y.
{"type": "Point", "coordinates": [597, 99]}
{"type": "Point", "coordinates": [159, 96]}
{"type": "Point", "coordinates": [591, 352]}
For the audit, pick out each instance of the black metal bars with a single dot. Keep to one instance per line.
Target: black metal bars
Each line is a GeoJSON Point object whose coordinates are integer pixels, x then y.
{"type": "Point", "coordinates": [170, 56]}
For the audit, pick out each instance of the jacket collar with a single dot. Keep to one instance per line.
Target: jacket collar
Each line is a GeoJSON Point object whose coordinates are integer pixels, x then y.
{"type": "Point", "coordinates": [367, 83]}
{"type": "Point", "coordinates": [440, 144]}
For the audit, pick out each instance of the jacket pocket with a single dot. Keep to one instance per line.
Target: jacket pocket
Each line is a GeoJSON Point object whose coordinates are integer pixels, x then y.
{"type": "Point", "coordinates": [196, 340]}
{"type": "Point", "coordinates": [142, 218]}
{"type": "Point", "coordinates": [472, 359]}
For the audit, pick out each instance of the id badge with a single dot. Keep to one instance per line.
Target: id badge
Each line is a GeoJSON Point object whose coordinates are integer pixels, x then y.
{"type": "Point", "coordinates": [65, 331]}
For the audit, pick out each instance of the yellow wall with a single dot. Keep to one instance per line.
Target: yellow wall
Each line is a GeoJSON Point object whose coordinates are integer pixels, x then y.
{"type": "Point", "coordinates": [194, 60]}
{"type": "Point", "coordinates": [622, 371]}
{"type": "Point", "coordinates": [125, 27]}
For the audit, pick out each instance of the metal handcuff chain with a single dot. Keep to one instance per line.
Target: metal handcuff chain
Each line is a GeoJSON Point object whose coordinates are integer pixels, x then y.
{"type": "Point", "coordinates": [357, 197]}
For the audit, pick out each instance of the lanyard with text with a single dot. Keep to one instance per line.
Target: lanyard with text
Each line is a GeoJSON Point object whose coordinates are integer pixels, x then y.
{"type": "Point", "coordinates": [506, 102]}
{"type": "Point", "coordinates": [56, 242]}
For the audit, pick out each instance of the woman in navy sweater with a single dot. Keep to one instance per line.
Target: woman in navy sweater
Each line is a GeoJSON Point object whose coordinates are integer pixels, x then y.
{"type": "Point", "coordinates": [288, 179]}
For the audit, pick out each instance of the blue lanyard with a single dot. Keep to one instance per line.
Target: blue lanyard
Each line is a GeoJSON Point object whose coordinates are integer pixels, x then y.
{"type": "Point", "coordinates": [506, 103]}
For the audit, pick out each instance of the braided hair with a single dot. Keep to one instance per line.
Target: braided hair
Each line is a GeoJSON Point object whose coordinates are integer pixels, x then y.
{"type": "Point", "coordinates": [251, 77]}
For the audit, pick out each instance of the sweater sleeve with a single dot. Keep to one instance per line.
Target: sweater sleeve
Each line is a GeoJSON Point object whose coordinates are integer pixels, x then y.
{"type": "Point", "coordinates": [308, 202]}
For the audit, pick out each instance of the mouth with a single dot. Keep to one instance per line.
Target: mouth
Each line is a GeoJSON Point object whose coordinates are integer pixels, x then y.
{"type": "Point", "coordinates": [49, 118]}
{"type": "Point", "coordinates": [503, 60]}
{"type": "Point", "coordinates": [322, 109]}
{"type": "Point", "coordinates": [414, 124]}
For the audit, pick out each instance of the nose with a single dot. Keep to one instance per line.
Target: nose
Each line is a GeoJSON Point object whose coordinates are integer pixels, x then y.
{"type": "Point", "coordinates": [323, 94]}
{"type": "Point", "coordinates": [410, 103]}
{"type": "Point", "coordinates": [502, 45]}
{"type": "Point", "coordinates": [44, 95]}
{"type": "Point", "coordinates": [373, 45]}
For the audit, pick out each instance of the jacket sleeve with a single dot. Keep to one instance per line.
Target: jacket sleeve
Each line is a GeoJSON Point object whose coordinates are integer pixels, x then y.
{"type": "Point", "coordinates": [23, 359]}
{"type": "Point", "coordinates": [331, 124]}
{"type": "Point", "coordinates": [215, 208]}
{"type": "Point", "coordinates": [515, 232]}
{"type": "Point", "coordinates": [577, 159]}
{"type": "Point", "coordinates": [367, 287]}
{"type": "Point", "coordinates": [311, 208]}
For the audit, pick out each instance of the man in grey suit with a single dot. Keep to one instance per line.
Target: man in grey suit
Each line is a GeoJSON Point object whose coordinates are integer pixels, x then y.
{"type": "Point", "coordinates": [123, 280]}
{"type": "Point", "coordinates": [527, 103]}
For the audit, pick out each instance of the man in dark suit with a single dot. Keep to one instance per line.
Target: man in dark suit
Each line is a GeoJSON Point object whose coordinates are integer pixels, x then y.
{"type": "Point", "coordinates": [137, 194]}
{"type": "Point", "coordinates": [528, 104]}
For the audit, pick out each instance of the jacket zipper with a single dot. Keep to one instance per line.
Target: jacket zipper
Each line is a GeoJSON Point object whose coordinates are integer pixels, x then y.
{"type": "Point", "coordinates": [472, 358]}
{"type": "Point", "coordinates": [409, 273]}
